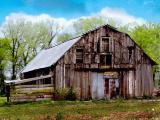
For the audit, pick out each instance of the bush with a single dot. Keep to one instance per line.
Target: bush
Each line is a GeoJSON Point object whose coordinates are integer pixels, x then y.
{"type": "Point", "coordinates": [71, 94]}
{"type": "Point", "coordinates": [65, 94]}
{"type": "Point", "coordinates": [147, 97]}
{"type": "Point", "coordinates": [60, 94]}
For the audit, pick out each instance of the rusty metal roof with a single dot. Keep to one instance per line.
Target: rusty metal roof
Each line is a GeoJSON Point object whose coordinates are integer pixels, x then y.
{"type": "Point", "coordinates": [48, 57]}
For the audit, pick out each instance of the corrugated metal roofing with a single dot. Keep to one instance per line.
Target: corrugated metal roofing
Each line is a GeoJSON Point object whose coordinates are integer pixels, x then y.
{"type": "Point", "coordinates": [50, 56]}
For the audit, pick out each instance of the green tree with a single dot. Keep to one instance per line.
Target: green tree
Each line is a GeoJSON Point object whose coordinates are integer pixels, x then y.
{"type": "Point", "coordinates": [4, 57]}
{"type": "Point", "coordinates": [27, 39]}
{"type": "Point", "coordinates": [147, 37]}
{"type": "Point", "coordinates": [84, 24]}
{"type": "Point", "coordinates": [81, 26]}
{"type": "Point", "coordinates": [63, 37]}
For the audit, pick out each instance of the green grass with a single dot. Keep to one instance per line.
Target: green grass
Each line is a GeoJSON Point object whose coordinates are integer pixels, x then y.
{"type": "Point", "coordinates": [79, 110]}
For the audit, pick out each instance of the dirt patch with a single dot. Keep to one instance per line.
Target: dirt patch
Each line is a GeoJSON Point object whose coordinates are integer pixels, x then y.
{"type": "Point", "coordinates": [67, 117]}
{"type": "Point", "coordinates": [132, 115]}
{"type": "Point", "coordinates": [78, 116]}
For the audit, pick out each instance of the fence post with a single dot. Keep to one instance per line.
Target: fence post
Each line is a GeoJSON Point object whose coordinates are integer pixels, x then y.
{"type": "Point", "coordinates": [8, 92]}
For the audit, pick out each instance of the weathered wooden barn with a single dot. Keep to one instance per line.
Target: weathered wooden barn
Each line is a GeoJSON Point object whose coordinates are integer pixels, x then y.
{"type": "Point", "coordinates": [101, 63]}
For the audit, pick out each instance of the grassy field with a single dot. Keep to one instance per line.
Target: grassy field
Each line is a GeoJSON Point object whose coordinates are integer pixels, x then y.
{"type": "Point", "coordinates": [80, 110]}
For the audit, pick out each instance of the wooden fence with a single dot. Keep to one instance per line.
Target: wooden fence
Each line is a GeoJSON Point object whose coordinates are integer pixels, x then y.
{"type": "Point", "coordinates": [22, 93]}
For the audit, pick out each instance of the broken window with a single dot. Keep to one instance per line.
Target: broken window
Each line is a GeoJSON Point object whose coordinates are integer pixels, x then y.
{"type": "Point", "coordinates": [130, 50]}
{"type": "Point", "coordinates": [105, 44]}
{"type": "Point", "coordinates": [98, 46]}
{"type": "Point", "coordinates": [79, 55]}
{"type": "Point", "coordinates": [106, 59]}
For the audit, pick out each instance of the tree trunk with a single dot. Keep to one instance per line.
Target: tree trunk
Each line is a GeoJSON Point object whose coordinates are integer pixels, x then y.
{"type": "Point", "coordinates": [2, 78]}
{"type": "Point", "coordinates": [13, 71]}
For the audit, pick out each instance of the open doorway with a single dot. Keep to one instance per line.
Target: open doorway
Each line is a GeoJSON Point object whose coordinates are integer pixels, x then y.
{"type": "Point", "coordinates": [111, 88]}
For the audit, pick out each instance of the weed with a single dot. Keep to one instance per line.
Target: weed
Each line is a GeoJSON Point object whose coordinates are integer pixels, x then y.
{"type": "Point", "coordinates": [59, 116]}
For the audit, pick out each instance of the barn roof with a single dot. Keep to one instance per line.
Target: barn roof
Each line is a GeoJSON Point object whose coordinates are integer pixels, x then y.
{"type": "Point", "coordinates": [48, 57]}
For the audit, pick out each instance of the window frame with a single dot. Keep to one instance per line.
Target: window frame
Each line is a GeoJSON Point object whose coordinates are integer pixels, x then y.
{"type": "Point", "coordinates": [106, 62]}
{"type": "Point", "coordinates": [105, 49]}
{"type": "Point", "coordinates": [130, 52]}
{"type": "Point", "coordinates": [81, 53]}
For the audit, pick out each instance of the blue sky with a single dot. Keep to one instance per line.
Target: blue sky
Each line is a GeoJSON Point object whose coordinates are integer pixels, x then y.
{"type": "Point", "coordinates": [146, 9]}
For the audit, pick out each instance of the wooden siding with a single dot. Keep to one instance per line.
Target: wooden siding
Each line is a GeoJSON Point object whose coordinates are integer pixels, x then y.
{"type": "Point", "coordinates": [134, 81]}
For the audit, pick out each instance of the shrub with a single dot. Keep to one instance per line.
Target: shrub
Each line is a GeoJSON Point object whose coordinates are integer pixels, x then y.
{"type": "Point", "coordinates": [64, 94]}
{"type": "Point", "coordinates": [147, 97]}
{"type": "Point", "coordinates": [71, 94]}
{"type": "Point", "coordinates": [60, 94]}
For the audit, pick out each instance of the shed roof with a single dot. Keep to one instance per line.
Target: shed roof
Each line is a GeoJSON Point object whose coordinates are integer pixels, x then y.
{"type": "Point", "coordinates": [48, 57]}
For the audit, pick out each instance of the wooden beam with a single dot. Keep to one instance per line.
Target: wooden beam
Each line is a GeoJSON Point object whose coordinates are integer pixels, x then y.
{"type": "Point", "coordinates": [15, 82]}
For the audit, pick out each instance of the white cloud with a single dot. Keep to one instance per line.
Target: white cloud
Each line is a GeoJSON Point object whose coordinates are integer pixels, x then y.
{"type": "Point", "coordinates": [34, 19]}
{"type": "Point", "coordinates": [1, 34]}
{"type": "Point", "coordinates": [120, 16]}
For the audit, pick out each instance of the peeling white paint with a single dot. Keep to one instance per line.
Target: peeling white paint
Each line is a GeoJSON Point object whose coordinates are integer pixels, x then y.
{"type": "Point", "coordinates": [97, 85]}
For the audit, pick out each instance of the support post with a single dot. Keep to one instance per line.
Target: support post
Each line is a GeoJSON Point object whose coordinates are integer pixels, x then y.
{"type": "Point", "coordinates": [8, 92]}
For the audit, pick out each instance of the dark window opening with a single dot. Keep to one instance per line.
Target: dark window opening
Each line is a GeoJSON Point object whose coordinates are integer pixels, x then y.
{"type": "Point", "coordinates": [130, 49]}
{"type": "Point", "coordinates": [79, 56]}
{"type": "Point", "coordinates": [98, 46]}
{"type": "Point", "coordinates": [106, 86]}
{"type": "Point", "coordinates": [105, 44]}
{"type": "Point", "coordinates": [47, 81]}
{"type": "Point", "coordinates": [106, 59]}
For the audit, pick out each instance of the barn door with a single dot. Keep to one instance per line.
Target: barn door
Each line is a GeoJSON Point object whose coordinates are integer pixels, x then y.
{"type": "Point", "coordinates": [114, 88]}
{"type": "Point", "coordinates": [97, 85]}
{"type": "Point", "coordinates": [106, 88]}
{"type": "Point", "coordinates": [111, 88]}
